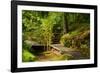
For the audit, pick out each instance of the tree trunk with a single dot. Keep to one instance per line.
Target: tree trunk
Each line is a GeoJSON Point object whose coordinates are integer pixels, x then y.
{"type": "Point", "coordinates": [65, 23]}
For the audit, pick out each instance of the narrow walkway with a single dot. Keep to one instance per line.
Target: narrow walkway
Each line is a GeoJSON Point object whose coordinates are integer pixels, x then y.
{"type": "Point", "coordinates": [65, 50]}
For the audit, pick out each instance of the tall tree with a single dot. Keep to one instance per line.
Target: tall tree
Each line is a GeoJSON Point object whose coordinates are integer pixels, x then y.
{"type": "Point", "coordinates": [65, 23]}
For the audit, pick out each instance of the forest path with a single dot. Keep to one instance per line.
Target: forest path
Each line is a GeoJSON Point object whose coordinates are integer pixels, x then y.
{"type": "Point", "coordinates": [42, 58]}
{"type": "Point", "coordinates": [68, 51]}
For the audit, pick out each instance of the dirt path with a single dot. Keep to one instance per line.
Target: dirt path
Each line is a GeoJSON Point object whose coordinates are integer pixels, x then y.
{"type": "Point", "coordinates": [42, 58]}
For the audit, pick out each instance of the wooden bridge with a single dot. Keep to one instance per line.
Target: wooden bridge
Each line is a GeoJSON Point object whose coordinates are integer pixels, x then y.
{"type": "Point", "coordinates": [60, 49]}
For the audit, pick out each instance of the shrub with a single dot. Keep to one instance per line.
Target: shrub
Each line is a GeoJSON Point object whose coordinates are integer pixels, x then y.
{"type": "Point", "coordinates": [26, 46]}
{"type": "Point", "coordinates": [27, 56]}
{"type": "Point", "coordinates": [66, 40]}
{"type": "Point", "coordinates": [85, 50]}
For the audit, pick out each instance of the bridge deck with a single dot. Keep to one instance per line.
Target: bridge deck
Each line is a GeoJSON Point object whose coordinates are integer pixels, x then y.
{"type": "Point", "coordinates": [65, 50]}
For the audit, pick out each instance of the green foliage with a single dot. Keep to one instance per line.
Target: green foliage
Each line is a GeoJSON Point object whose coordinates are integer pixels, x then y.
{"type": "Point", "coordinates": [85, 50]}
{"type": "Point", "coordinates": [26, 45]}
{"type": "Point", "coordinates": [66, 40]}
{"type": "Point", "coordinates": [28, 57]}
{"type": "Point", "coordinates": [41, 27]}
{"type": "Point", "coordinates": [78, 40]}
